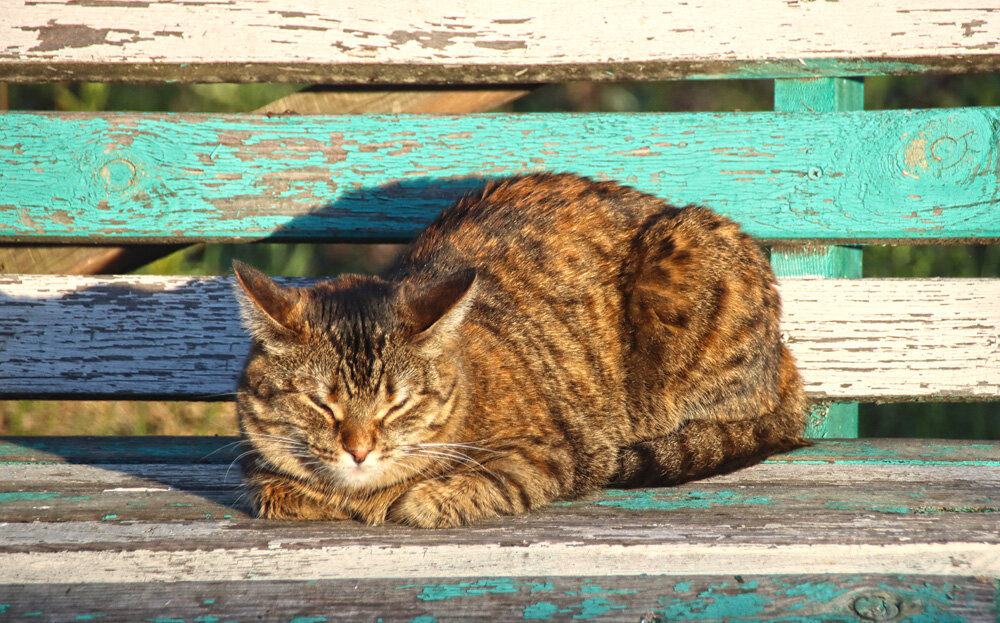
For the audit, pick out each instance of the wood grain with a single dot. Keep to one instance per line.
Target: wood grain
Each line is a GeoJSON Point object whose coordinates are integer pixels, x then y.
{"type": "Point", "coordinates": [93, 260]}
{"type": "Point", "coordinates": [396, 41]}
{"type": "Point", "coordinates": [126, 510]}
{"type": "Point", "coordinates": [836, 261]}
{"type": "Point", "coordinates": [722, 543]}
{"type": "Point", "coordinates": [179, 337]}
{"type": "Point", "coordinates": [658, 598]}
{"type": "Point", "coordinates": [769, 492]}
{"type": "Point", "coordinates": [901, 175]}
{"type": "Point", "coordinates": [78, 260]}
{"type": "Point", "coordinates": [327, 100]}
{"type": "Point", "coordinates": [167, 450]}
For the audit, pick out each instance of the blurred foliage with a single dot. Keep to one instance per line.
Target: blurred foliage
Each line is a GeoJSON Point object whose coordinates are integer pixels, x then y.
{"type": "Point", "coordinates": [300, 260]}
{"type": "Point", "coordinates": [939, 420]}
{"type": "Point", "coordinates": [969, 420]}
{"type": "Point", "coordinates": [92, 96]}
{"type": "Point", "coordinates": [119, 417]}
{"type": "Point", "coordinates": [978, 260]}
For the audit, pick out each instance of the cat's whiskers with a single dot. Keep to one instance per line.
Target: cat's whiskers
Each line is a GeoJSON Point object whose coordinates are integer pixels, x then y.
{"type": "Point", "coordinates": [223, 447]}
{"type": "Point", "coordinates": [285, 445]}
{"type": "Point", "coordinates": [236, 460]}
{"type": "Point", "coordinates": [244, 496]}
{"type": "Point", "coordinates": [459, 456]}
{"type": "Point", "coordinates": [458, 445]}
{"type": "Point", "coordinates": [452, 455]}
{"type": "Point", "coordinates": [426, 469]}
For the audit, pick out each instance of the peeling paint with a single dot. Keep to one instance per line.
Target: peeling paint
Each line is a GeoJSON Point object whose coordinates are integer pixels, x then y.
{"type": "Point", "coordinates": [669, 499]}
{"type": "Point", "coordinates": [18, 496]}
{"type": "Point", "coordinates": [233, 177]}
{"type": "Point", "coordinates": [438, 592]}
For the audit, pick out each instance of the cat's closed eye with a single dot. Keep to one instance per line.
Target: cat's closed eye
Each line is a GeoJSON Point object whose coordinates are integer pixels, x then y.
{"type": "Point", "coordinates": [328, 408]}
{"type": "Point", "coordinates": [400, 410]}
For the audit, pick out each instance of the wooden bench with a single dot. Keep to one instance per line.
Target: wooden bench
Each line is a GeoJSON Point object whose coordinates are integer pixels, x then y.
{"type": "Point", "coordinates": [155, 528]}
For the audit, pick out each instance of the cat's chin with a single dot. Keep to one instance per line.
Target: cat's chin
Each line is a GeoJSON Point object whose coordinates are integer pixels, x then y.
{"type": "Point", "coordinates": [360, 478]}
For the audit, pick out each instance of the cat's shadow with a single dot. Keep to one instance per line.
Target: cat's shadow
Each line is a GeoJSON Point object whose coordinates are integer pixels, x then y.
{"type": "Point", "coordinates": [392, 212]}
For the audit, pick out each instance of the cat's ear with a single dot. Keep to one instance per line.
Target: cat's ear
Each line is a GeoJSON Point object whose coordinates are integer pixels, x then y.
{"type": "Point", "coordinates": [268, 309]}
{"type": "Point", "coordinates": [433, 312]}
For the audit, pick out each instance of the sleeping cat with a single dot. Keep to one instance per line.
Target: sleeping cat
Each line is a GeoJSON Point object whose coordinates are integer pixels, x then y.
{"type": "Point", "coordinates": [542, 338]}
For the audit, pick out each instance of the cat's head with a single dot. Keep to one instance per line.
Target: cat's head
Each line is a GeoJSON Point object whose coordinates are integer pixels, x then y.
{"type": "Point", "coordinates": [352, 380]}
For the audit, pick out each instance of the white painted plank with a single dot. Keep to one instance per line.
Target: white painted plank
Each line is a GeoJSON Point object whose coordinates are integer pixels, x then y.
{"type": "Point", "coordinates": [180, 337]}
{"type": "Point", "coordinates": [396, 41]}
{"type": "Point", "coordinates": [882, 338]}
{"type": "Point", "coordinates": [294, 560]}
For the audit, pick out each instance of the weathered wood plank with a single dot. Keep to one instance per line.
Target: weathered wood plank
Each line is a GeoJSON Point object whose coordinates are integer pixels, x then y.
{"type": "Point", "coordinates": [645, 599]}
{"type": "Point", "coordinates": [166, 450]}
{"type": "Point", "coordinates": [698, 523]}
{"type": "Point", "coordinates": [230, 550]}
{"type": "Point", "coordinates": [396, 41]}
{"type": "Point", "coordinates": [760, 494]}
{"type": "Point", "coordinates": [850, 507]}
{"type": "Point", "coordinates": [108, 449]}
{"type": "Point", "coordinates": [837, 261]}
{"type": "Point", "coordinates": [92, 260]}
{"type": "Point", "coordinates": [78, 260]}
{"type": "Point", "coordinates": [918, 176]}
{"type": "Point", "coordinates": [326, 100]}
{"type": "Point", "coordinates": [179, 337]}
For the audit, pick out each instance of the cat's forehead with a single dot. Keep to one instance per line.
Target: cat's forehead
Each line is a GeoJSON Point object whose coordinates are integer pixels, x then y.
{"type": "Point", "coordinates": [353, 303]}
{"type": "Point", "coordinates": [354, 316]}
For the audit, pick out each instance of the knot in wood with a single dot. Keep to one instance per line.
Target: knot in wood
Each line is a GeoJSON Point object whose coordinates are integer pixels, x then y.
{"type": "Point", "coordinates": [118, 174]}
{"type": "Point", "coordinates": [877, 606]}
{"type": "Point", "coordinates": [947, 151]}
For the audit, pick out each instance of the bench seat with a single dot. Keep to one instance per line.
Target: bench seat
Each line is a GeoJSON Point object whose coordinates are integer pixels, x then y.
{"type": "Point", "coordinates": [163, 521]}
{"type": "Point", "coordinates": [156, 529]}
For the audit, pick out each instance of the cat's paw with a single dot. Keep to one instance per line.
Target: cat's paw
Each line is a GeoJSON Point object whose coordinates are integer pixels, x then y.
{"type": "Point", "coordinates": [276, 500]}
{"type": "Point", "coordinates": [428, 505]}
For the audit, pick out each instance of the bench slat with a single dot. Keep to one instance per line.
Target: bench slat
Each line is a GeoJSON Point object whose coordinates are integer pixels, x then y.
{"type": "Point", "coordinates": [630, 598]}
{"type": "Point", "coordinates": [396, 41]}
{"type": "Point", "coordinates": [168, 450]}
{"type": "Point", "coordinates": [228, 550]}
{"type": "Point", "coordinates": [796, 511]}
{"type": "Point", "coordinates": [159, 521]}
{"type": "Point", "coordinates": [179, 337]}
{"type": "Point", "coordinates": [851, 177]}
{"type": "Point", "coordinates": [761, 494]}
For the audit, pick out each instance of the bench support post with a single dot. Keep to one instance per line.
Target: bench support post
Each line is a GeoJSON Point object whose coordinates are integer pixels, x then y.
{"type": "Point", "coordinates": [821, 95]}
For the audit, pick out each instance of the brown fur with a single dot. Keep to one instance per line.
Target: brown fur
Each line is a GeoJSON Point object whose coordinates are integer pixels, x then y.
{"type": "Point", "coordinates": [541, 339]}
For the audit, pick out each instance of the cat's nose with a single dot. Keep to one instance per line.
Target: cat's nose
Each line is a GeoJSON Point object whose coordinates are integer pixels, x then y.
{"type": "Point", "coordinates": [358, 454]}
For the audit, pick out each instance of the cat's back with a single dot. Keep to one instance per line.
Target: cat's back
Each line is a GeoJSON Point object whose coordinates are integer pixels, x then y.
{"type": "Point", "coordinates": [549, 252]}
{"type": "Point", "coordinates": [556, 226]}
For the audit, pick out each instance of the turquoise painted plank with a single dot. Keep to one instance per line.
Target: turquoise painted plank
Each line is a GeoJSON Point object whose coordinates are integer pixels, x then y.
{"type": "Point", "coordinates": [834, 94]}
{"type": "Point", "coordinates": [789, 598]}
{"type": "Point", "coordinates": [864, 176]}
{"type": "Point", "coordinates": [837, 261]}
{"type": "Point", "coordinates": [817, 261]}
{"type": "Point", "coordinates": [836, 420]}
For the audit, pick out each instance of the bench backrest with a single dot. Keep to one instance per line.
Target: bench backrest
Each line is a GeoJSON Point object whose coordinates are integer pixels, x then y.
{"type": "Point", "coordinates": [815, 179]}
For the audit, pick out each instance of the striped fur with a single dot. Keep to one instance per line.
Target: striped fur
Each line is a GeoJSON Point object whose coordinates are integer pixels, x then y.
{"type": "Point", "coordinates": [542, 338]}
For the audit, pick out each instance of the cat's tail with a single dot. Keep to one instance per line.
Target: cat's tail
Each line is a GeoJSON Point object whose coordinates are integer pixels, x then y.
{"type": "Point", "coordinates": [702, 448]}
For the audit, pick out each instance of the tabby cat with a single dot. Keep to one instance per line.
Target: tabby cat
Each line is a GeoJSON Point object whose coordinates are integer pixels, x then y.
{"type": "Point", "coordinates": [542, 338]}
